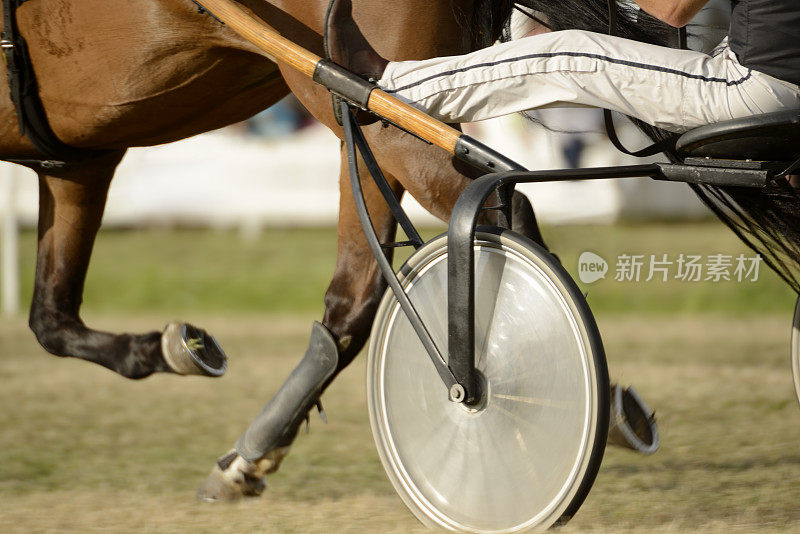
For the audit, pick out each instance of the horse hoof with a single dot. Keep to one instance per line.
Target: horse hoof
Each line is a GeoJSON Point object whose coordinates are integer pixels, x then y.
{"type": "Point", "coordinates": [189, 350]}
{"type": "Point", "coordinates": [217, 487]}
{"type": "Point", "coordinates": [232, 478]}
{"type": "Point", "coordinates": [632, 424]}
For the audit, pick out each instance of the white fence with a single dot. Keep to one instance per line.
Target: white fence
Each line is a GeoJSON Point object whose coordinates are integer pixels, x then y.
{"type": "Point", "coordinates": [9, 248]}
{"type": "Point", "coordinates": [223, 179]}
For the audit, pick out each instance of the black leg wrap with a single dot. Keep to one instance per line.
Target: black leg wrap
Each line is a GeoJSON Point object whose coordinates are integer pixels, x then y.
{"type": "Point", "coordinates": [277, 424]}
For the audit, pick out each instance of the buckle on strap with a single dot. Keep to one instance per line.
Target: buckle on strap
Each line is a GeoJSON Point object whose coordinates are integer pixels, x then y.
{"type": "Point", "coordinates": [9, 52]}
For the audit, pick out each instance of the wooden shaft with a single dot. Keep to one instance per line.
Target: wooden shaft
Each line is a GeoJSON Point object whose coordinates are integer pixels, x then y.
{"type": "Point", "coordinates": [414, 120]}
{"type": "Point", "coordinates": [263, 36]}
{"type": "Point", "coordinates": [278, 48]}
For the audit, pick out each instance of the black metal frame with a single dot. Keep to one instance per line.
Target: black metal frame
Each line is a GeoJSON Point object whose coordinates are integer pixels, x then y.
{"type": "Point", "coordinates": [354, 139]}
{"type": "Point", "coordinates": [459, 374]}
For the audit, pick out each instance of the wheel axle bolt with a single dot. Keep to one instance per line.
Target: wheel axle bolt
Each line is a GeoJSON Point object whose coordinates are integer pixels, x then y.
{"type": "Point", "coordinates": [457, 393]}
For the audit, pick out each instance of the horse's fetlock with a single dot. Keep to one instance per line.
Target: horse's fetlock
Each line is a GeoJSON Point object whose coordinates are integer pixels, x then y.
{"type": "Point", "coordinates": [250, 475]}
{"type": "Point", "coordinates": [270, 462]}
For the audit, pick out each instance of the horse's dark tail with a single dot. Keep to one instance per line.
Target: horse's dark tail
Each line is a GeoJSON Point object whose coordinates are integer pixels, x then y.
{"type": "Point", "coordinates": [766, 219]}
{"type": "Point", "coordinates": [484, 26]}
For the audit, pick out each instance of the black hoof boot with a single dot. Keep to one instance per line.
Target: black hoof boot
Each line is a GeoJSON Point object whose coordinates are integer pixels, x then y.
{"type": "Point", "coordinates": [262, 447]}
{"type": "Point", "coordinates": [632, 424]}
{"type": "Point", "coordinates": [189, 350]}
{"type": "Point", "coordinates": [277, 424]}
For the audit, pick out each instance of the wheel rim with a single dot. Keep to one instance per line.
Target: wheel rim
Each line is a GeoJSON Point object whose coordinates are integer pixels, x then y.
{"type": "Point", "coordinates": [795, 355]}
{"type": "Point", "coordinates": [521, 459]}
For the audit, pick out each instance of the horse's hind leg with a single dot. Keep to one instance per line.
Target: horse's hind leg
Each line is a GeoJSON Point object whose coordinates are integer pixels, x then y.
{"type": "Point", "coordinates": [350, 305]}
{"type": "Point", "coordinates": [71, 204]}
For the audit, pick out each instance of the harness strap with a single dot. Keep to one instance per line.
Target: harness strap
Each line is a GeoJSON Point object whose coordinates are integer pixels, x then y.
{"type": "Point", "coordinates": [10, 56]}
{"type": "Point", "coordinates": [336, 100]}
{"type": "Point", "coordinates": [655, 148]}
{"type": "Point", "coordinates": [31, 116]}
{"type": "Point", "coordinates": [795, 165]}
{"type": "Point", "coordinates": [608, 119]}
{"type": "Point", "coordinates": [203, 11]}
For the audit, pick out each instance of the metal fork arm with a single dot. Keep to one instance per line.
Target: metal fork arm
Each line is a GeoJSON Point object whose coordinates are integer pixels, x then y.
{"type": "Point", "coordinates": [461, 235]}
{"type": "Point", "coordinates": [374, 169]}
{"type": "Point", "coordinates": [461, 257]}
{"type": "Point", "coordinates": [354, 138]}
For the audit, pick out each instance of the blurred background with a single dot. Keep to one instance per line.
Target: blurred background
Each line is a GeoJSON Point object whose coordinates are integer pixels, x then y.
{"type": "Point", "coordinates": [234, 230]}
{"type": "Point", "coordinates": [267, 190]}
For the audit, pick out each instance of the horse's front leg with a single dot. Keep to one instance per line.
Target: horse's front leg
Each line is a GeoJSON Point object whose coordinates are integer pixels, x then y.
{"type": "Point", "coordinates": [350, 305]}
{"type": "Point", "coordinates": [71, 204]}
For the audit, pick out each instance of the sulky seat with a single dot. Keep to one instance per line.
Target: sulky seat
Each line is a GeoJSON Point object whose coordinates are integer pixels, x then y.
{"type": "Point", "coordinates": [767, 137]}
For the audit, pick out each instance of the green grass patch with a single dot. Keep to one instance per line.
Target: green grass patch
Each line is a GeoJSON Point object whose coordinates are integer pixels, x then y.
{"type": "Point", "coordinates": [288, 270]}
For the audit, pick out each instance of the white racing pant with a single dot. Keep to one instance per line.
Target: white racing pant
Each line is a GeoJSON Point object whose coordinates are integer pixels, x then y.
{"type": "Point", "coordinates": [672, 89]}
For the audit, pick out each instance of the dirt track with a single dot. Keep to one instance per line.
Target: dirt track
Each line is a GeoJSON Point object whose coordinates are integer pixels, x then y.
{"type": "Point", "coordinates": [84, 451]}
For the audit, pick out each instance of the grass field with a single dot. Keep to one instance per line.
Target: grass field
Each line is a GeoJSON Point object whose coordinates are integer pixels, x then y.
{"type": "Point", "coordinates": [84, 450]}
{"type": "Point", "coordinates": [287, 271]}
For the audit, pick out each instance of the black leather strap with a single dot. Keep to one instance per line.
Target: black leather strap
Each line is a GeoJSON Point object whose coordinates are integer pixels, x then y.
{"type": "Point", "coordinates": [10, 56]}
{"type": "Point", "coordinates": [204, 11]}
{"type": "Point", "coordinates": [31, 117]}
{"type": "Point", "coordinates": [794, 166]}
{"type": "Point", "coordinates": [655, 148]}
{"type": "Point", "coordinates": [336, 100]}
{"type": "Point", "coordinates": [608, 119]}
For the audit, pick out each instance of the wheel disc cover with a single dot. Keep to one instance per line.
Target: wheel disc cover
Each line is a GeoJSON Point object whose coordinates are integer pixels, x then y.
{"type": "Point", "coordinates": [795, 355]}
{"type": "Point", "coordinates": [516, 462]}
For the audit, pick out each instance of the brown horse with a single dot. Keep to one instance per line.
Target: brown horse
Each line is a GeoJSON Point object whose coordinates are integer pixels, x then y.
{"type": "Point", "coordinates": [119, 73]}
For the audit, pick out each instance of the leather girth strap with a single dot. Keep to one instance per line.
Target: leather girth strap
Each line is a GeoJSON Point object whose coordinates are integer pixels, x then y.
{"type": "Point", "coordinates": [31, 117]}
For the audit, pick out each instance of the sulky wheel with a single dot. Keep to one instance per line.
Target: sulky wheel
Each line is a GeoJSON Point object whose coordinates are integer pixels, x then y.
{"type": "Point", "coordinates": [796, 349]}
{"type": "Point", "coordinates": [527, 453]}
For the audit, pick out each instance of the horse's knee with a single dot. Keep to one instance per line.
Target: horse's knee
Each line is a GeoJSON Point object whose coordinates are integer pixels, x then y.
{"type": "Point", "coordinates": [349, 314]}
{"type": "Point", "coordinates": [339, 320]}
{"type": "Point", "coordinates": [53, 329]}
{"type": "Point", "coordinates": [337, 305]}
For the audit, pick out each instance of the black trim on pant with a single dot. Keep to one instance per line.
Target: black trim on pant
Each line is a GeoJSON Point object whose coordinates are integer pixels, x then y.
{"type": "Point", "coordinates": [607, 59]}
